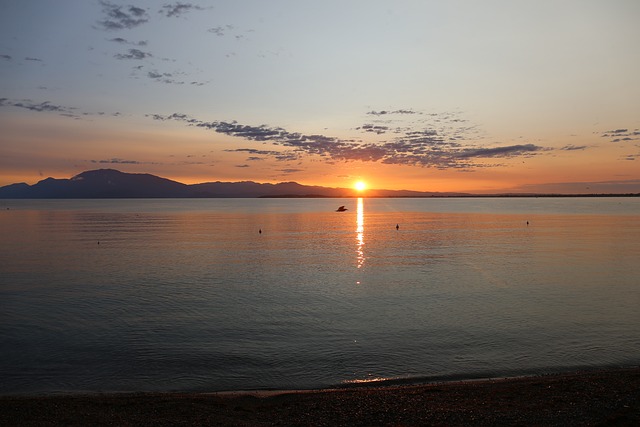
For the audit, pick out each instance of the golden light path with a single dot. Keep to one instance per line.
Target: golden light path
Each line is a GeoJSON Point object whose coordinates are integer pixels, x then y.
{"type": "Point", "coordinates": [360, 232]}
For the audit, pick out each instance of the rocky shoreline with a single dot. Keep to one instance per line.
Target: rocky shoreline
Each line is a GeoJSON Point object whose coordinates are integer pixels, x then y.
{"type": "Point", "coordinates": [586, 398]}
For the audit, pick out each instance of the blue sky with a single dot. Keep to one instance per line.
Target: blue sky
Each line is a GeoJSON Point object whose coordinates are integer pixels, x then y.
{"type": "Point", "coordinates": [425, 95]}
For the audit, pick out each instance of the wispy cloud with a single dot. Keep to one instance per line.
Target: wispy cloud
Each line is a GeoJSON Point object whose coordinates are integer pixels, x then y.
{"type": "Point", "coordinates": [6, 57]}
{"type": "Point", "coordinates": [284, 156]}
{"type": "Point", "coordinates": [38, 106]}
{"type": "Point", "coordinates": [121, 40]}
{"type": "Point", "coordinates": [166, 78]}
{"type": "Point", "coordinates": [426, 147]}
{"type": "Point", "coordinates": [119, 162]}
{"type": "Point", "coordinates": [230, 31]}
{"type": "Point", "coordinates": [48, 107]}
{"type": "Point", "coordinates": [173, 78]}
{"type": "Point", "coordinates": [220, 31]}
{"type": "Point", "coordinates": [178, 9]}
{"type": "Point", "coordinates": [133, 54]}
{"type": "Point", "coordinates": [156, 75]}
{"type": "Point", "coordinates": [572, 147]}
{"type": "Point", "coordinates": [503, 152]}
{"type": "Point", "coordinates": [289, 171]}
{"type": "Point", "coordinates": [390, 112]}
{"type": "Point", "coordinates": [622, 135]}
{"type": "Point", "coordinates": [374, 128]}
{"type": "Point", "coordinates": [121, 17]}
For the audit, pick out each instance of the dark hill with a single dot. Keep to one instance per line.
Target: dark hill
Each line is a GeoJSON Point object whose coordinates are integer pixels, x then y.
{"type": "Point", "coordinates": [98, 184]}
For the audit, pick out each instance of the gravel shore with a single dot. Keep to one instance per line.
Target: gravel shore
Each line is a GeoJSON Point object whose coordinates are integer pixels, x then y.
{"type": "Point", "coordinates": [589, 398]}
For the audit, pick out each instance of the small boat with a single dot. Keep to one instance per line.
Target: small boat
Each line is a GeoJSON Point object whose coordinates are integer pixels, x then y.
{"type": "Point", "coordinates": [341, 209]}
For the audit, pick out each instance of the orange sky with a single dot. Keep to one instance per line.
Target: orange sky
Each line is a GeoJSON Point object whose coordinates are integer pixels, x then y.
{"type": "Point", "coordinates": [429, 96]}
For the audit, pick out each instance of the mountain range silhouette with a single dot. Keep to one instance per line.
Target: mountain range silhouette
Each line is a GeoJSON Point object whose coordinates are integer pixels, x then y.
{"type": "Point", "coordinates": [111, 183]}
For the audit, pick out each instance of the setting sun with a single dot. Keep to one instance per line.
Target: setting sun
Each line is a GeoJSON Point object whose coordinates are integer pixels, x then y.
{"type": "Point", "coordinates": [360, 185]}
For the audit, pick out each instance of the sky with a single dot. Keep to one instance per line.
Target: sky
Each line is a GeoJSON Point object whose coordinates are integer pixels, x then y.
{"type": "Point", "coordinates": [457, 95]}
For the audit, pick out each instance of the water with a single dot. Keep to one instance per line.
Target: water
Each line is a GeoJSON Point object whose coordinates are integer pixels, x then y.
{"type": "Point", "coordinates": [166, 295]}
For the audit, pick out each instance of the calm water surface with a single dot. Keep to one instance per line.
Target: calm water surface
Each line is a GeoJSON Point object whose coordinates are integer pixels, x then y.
{"type": "Point", "coordinates": [161, 295]}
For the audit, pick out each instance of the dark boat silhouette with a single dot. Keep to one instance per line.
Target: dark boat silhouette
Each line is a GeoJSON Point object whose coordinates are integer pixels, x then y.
{"type": "Point", "coordinates": [341, 209]}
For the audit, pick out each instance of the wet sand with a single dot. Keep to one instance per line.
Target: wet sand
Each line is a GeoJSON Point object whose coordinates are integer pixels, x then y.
{"type": "Point", "coordinates": [588, 398]}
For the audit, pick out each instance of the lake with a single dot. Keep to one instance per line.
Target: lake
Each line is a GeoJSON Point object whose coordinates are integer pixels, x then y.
{"type": "Point", "coordinates": [244, 294]}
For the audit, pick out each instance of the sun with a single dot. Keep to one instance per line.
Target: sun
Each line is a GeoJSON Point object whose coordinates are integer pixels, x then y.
{"type": "Point", "coordinates": [360, 185]}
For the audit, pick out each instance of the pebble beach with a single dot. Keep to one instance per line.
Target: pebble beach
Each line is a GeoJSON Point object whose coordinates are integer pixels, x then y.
{"type": "Point", "coordinates": [585, 398]}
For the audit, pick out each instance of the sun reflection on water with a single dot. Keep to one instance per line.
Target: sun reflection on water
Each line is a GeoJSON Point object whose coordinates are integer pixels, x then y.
{"type": "Point", "coordinates": [370, 379]}
{"type": "Point", "coordinates": [360, 232]}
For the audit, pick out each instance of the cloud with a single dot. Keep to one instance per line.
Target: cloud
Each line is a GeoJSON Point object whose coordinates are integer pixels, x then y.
{"type": "Point", "coordinates": [163, 77]}
{"type": "Point", "coordinates": [572, 147]}
{"type": "Point", "coordinates": [290, 170]}
{"type": "Point", "coordinates": [622, 135]}
{"type": "Point", "coordinates": [385, 112]}
{"type": "Point", "coordinates": [230, 30]}
{"type": "Point", "coordinates": [120, 40]}
{"type": "Point", "coordinates": [168, 78]}
{"type": "Point", "coordinates": [175, 77]}
{"type": "Point", "coordinates": [218, 31]}
{"type": "Point", "coordinates": [121, 17]}
{"type": "Point", "coordinates": [118, 161]}
{"type": "Point", "coordinates": [504, 152]}
{"type": "Point", "coordinates": [252, 151]}
{"type": "Point", "coordinates": [427, 147]}
{"type": "Point", "coordinates": [177, 9]}
{"type": "Point", "coordinates": [38, 107]}
{"type": "Point", "coordinates": [278, 155]}
{"type": "Point", "coordinates": [6, 57]}
{"type": "Point", "coordinates": [133, 54]}
{"type": "Point", "coordinates": [48, 107]}
{"type": "Point", "coordinates": [374, 129]}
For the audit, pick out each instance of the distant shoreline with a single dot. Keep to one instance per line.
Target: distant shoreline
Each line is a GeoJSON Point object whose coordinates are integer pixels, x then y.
{"type": "Point", "coordinates": [593, 397]}
{"type": "Point", "coordinates": [470, 196]}
{"type": "Point", "coordinates": [317, 196]}
{"type": "Point", "coordinates": [113, 184]}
